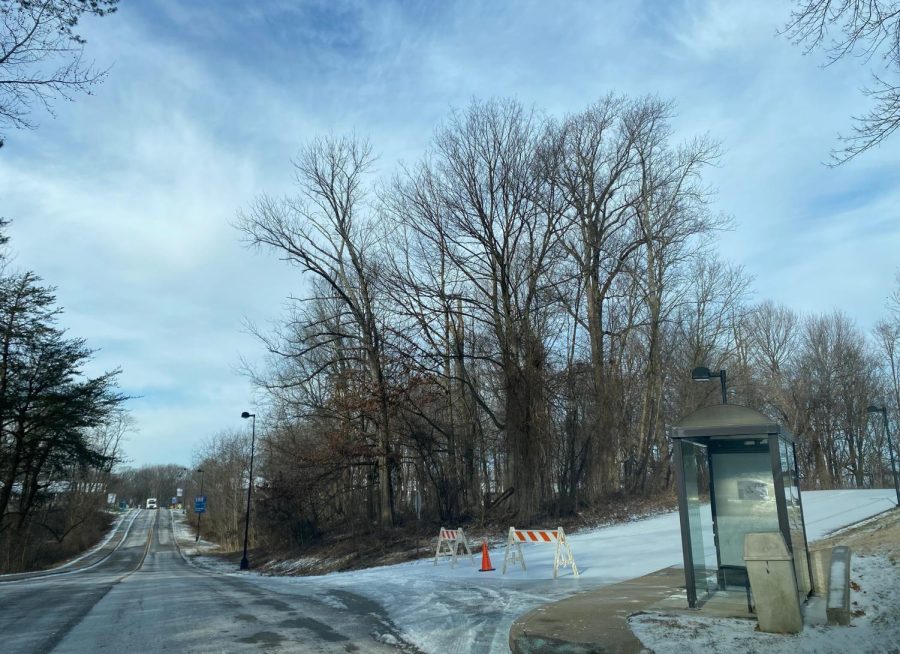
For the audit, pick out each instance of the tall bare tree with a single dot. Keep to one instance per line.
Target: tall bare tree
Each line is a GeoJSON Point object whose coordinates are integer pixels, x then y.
{"type": "Point", "coordinates": [326, 232]}
{"type": "Point", "coordinates": [482, 202]}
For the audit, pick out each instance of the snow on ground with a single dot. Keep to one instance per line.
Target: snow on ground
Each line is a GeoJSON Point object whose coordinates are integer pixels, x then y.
{"type": "Point", "coordinates": [875, 626]}
{"type": "Point", "coordinates": [459, 609]}
{"type": "Point", "coordinates": [199, 550]}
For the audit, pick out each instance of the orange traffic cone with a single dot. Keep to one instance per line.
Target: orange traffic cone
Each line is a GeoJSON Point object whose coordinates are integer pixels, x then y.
{"type": "Point", "coordinates": [485, 557]}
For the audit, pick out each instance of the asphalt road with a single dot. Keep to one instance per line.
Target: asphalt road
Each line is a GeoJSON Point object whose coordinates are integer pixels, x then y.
{"type": "Point", "coordinates": [139, 596]}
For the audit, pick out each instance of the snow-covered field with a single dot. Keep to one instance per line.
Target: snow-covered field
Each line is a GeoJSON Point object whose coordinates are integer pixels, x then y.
{"type": "Point", "coordinates": [445, 609]}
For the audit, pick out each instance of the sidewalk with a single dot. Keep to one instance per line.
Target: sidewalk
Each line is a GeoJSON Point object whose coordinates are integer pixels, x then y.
{"type": "Point", "coordinates": [594, 621]}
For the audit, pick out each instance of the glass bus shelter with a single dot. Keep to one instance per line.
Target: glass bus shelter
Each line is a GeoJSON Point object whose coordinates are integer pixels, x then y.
{"type": "Point", "coordinates": [736, 473]}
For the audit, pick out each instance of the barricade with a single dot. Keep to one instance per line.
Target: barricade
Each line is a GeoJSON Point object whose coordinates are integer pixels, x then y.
{"type": "Point", "coordinates": [449, 541]}
{"type": "Point", "coordinates": [563, 557]}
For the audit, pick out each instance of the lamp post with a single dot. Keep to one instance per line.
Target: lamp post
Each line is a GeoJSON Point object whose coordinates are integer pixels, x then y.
{"type": "Point", "coordinates": [702, 374]}
{"type": "Point", "coordinates": [883, 411]}
{"type": "Point", "coordinates": [179, 490]}
{"type": "Point", "coordinates": [199, 515]}
{"type": "Point", "coordinates": [244, 562]}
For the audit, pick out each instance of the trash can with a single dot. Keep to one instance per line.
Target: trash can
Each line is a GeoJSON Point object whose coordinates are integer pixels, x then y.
{"type": "Point", "coordinates": [770, 568]}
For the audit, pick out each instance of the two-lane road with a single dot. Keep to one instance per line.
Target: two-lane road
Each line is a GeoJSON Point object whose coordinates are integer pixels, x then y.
{"type": "Point", "coordinates": [37, 611]}
{"type": "Point", "coordinates": [143, 598]}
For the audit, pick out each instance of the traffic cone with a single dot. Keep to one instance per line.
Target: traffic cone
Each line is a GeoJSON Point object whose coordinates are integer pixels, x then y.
{"type": "Point", "coordinates": [485, 557]}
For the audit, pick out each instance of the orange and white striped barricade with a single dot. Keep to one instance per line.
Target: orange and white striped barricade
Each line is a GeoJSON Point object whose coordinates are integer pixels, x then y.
{"type": "Point", "coordinates": [564, 556]}
{"type": "Point", "coordinates": [449, 541]}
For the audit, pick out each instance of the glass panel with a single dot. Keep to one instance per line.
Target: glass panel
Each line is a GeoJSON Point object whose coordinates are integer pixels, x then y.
{"type": "Point", "coordinates": [745, 500]}
{"type": "Point", "coordinates": [696, 481]}
{"type": "Point", "coordinates": [795, 515]}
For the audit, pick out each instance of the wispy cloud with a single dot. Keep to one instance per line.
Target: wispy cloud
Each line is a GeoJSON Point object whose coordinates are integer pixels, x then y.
{"type": "Point", "coordinates": [126, 200]}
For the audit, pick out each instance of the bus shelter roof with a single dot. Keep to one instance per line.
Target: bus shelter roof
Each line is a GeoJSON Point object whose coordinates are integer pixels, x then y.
{"type": "Point", "coordinates": [727, 420]}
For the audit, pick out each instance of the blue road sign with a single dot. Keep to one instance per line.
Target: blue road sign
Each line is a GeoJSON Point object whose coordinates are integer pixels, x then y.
{"type": "Point", "coordinates": [200, 504]}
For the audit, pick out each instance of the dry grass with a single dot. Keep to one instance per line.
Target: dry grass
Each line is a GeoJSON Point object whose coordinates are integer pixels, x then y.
{"type": "Point", "coordinates": [878, 535]}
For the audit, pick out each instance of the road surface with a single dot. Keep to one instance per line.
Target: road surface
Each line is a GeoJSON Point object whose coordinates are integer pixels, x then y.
{"type": "Point", "coordinates": [137, 595]}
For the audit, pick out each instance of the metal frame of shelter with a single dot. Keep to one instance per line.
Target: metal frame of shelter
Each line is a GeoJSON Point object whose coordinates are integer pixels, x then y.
{"type": "Point", "coordinates": [727, 449]}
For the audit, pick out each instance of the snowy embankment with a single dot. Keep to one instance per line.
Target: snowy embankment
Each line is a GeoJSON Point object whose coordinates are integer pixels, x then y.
{"type": "Point", "coordinates": [197, 549]}
{"type": "Point", "coordinates": [445, 609]}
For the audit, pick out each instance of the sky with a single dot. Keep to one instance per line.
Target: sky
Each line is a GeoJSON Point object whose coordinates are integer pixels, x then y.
{"type": "Point", "coordinates": [126, 200]}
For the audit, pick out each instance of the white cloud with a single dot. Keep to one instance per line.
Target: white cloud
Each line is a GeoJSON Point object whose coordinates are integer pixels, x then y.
{"type": "Point", "coordinates": [126, 200]}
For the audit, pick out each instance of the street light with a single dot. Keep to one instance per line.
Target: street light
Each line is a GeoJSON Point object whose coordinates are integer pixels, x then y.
{"type": "Point", "coordinates": [179, 491]}
{"type": "Point", "coordinates": [883, 411]}
{"type": "Point", "coordinates": [702, 374]}
{"type": "Point", "coordinates": [199, 514]}
{"type": "Point", "coordinates": [244, 562]}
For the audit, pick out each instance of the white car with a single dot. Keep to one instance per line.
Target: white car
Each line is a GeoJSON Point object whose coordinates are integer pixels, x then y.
{"type": "Point", "coordinates": [151, 503]}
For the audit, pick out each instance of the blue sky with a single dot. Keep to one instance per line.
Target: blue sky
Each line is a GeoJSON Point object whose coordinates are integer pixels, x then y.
{"type": "Point", "coordinates": [125, 201]}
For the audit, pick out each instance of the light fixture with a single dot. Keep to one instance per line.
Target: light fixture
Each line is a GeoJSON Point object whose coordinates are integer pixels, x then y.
{"type": "Point", "coordinates": [702, 374]}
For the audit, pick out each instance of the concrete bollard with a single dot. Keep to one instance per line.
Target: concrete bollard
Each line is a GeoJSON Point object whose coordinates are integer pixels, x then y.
{"type": "Point", "coordinates": [770, 568]}
{"type": "Point", "coordinates": [837, 607]}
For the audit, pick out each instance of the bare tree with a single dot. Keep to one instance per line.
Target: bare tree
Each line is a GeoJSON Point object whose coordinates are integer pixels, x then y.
{"type": "Point", "coordinates": [838, 375]}
{"type": "Point", "coordinates": [598, 173]}
{"type": "Point", "coordinates": [327, 234]}
{"type": "Point", "coordinates": [672, 213]}
{"type": "Point", "coordinates": [634, 205]}
{"type": "Point", "coordinates": [42, 57]}
{"type": "Point", "coordinates": [869, 29]}
{"type": "Point", "coordinates": [481, 202]}
{"type": "Point", "coordinates": [224, 459]}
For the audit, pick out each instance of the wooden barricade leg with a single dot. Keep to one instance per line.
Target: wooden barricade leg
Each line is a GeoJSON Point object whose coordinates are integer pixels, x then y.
{"type": "Point", "coordinates": [559, 538]}
{"type": "Point", "coordinates": [517, 555]}
{"type": "Point", "coordinates": [444, 547]}
{"type": "Point", "coordinates": [509, 542]}
{"type": "Point", "coordinates": [461, 537]}
{"type": "Point", "coordinates": [564, 553]}
{"type": "Point", "coordinates": [437, 552]}
{"type": "Point", "coordinates": [572, 558]}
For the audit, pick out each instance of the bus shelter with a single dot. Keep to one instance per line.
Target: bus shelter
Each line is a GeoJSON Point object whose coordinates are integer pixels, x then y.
{"type": "Point", "coordinates": [736, 473]}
